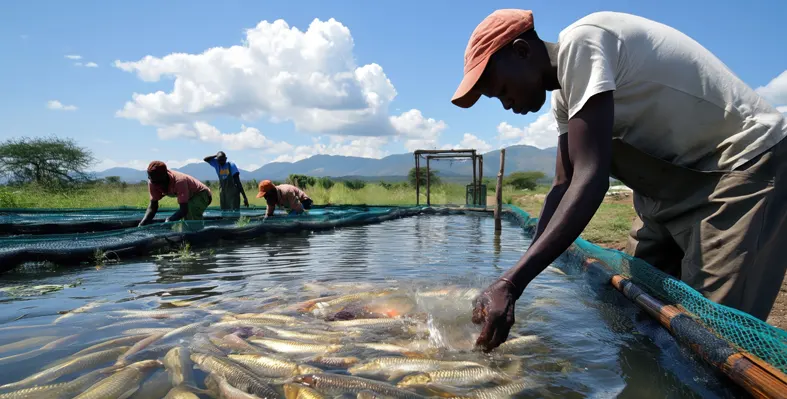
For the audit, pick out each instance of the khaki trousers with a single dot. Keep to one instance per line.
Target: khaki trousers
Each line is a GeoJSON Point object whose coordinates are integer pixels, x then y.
{"type": "Point", "coordinates": [724, 233]}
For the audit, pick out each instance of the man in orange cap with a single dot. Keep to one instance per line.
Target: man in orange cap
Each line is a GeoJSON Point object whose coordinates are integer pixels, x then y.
{"type": "Point", "coordinates": [284, 195]}
{"type": "Point", "coordinates": [193, 196]}
{"type": "Point", "coordinates": [638, 100]}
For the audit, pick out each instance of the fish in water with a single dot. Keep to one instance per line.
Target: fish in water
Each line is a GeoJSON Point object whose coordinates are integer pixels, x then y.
{"type": "Point", "coordinates": [335, 384]}
{"type": "Point", "coordinates": [268, 366]}
{"type": "Point", "coordinates": [107, 344]}
{"type": "Point", "coordinates": [326, 337]}
{"type": "Point", "coordinates": [502, 391]}
{"type": "Point", "coordinates": [335, 361]}
{"type": "Point", "coordinates": [298, 391]}
{"type": "Point", "coordinates": [91, 360]}
{"type": "Point", "coordinates": [234, 342]}
{"type": "Point", "coordinates": [272, 317]}
{"type": "Point", "coordinates": [40, 351]}
{"type": "Point", "coordinates": [396, 366]}
{"type": "Point", "coordinates": [455, 377]}
{"type": "Point", "coordinates": [27, 343]}
{"type": "Point", "coordinates": [156, 386]}
{"type": "Point", "coordinates": [57, 391]}
{"type": "Point", "coordinates": [225, 390]}
{"type": "Point", "coordinates": [283, 346]}
{"type": "Point", "coordinates": [181, 392]}
{"type": "Point", "coordinates": [121, 384]}
{"type": "Point", "coordinates": [81, 309]}
{"type": "Point", "coordinates": [122, 360]}
{"type": "Point", "coordinates": [517, 343]}
{"type": "Point", "coordinates": [178, 363]}
{"type": "Point", "coordinates": [235, 374]}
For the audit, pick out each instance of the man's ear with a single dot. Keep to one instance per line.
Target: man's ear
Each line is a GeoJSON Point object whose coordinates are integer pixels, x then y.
{"type": "Point", "coordinates": [521, 48]}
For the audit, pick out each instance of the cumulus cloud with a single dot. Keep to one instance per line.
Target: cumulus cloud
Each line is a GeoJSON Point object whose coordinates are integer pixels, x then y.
{"type": "Point", "coordinates": [91, 65]}
{"type": "Point", "coordinates": [782, 109]}
{"type": "Point", "coordinates": [542, 133]}
{"type": "Point", "coordinates": [418, 132]}
{"type": "Point", "coordinates": [471, 141]}
{"type": "Point", "coordinates": [248, 137]}
{"type": "Point", "coordinates": [73, 57]}
{"type": "Point", "coordinates": [366, 147]}
{"type": "Point", "coordinates": [776, 91]}
{"type": "Point", "coordinates": [57, 105]}
{"type": "Point", "coordinates": [279, 72]}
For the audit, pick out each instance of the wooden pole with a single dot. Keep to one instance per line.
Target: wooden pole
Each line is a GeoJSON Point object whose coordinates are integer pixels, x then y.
{"type": "Point", "coordinates": [481, 177]}
{"type": "Point", "coordinates": [428, 192]}
{"type": "Point", "coordinates": [499, 191]}
{"type": "Point", "coordinates": [417, 183]}
{"type": "Point", "coordinates": [475, 190]}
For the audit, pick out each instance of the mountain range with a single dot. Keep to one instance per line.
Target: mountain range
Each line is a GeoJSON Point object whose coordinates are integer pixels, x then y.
{"type": "Point", "coordinates": [519, 158]}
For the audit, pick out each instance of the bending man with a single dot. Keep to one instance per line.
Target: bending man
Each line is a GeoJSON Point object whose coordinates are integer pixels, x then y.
{"type": "Point", "coordinates": [193, 196]}
{"type": "Point", "coordinates": [283, 195]}
{"type": "Point", "coordinates": [230, 187]}
{"type": "Point", "coordinates": [643, 102]}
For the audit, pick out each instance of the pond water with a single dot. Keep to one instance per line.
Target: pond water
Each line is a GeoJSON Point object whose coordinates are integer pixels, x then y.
{"type": "Point", "coordinates": [412, 282]}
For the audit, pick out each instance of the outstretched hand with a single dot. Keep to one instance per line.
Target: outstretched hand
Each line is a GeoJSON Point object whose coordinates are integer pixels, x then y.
{"type": "Point", "coordinates": [494, 309]}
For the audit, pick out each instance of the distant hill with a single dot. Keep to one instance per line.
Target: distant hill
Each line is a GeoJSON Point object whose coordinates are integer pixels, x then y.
{"type": "Point", "coordinates": [394, 167]}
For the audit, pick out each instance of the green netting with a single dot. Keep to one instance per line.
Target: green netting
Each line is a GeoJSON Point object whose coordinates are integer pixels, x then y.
{"type": "Point", "coordinates": [738, 328]}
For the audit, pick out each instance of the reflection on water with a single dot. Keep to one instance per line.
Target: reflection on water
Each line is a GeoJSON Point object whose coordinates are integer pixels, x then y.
{"type": "Point", "coordinates": [403, 288]}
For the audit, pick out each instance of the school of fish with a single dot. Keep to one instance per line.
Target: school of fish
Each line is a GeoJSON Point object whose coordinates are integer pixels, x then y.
{"type": "Point", "coordinates": [327, 341]}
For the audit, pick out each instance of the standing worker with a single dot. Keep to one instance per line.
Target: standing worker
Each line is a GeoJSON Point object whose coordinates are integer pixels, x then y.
{"type": "Point", "coordinates": [193, 196]}
{"type": "Point", "coordinates": [230, 187]}
{"type": "Point", "coordinates": [284, 195]}
{"type": "Point", "coordinates": [638, 100]}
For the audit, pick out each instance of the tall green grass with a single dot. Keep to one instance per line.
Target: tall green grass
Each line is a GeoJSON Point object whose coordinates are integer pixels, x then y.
{"type": "Point", "coordinates": [136, 195]}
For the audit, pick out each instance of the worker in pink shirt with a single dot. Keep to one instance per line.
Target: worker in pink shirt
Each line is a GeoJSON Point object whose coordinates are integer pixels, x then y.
{"type": "Point", "coordinates": [284, 195]}
{"type": "Point", "coordinates": [193, 196]}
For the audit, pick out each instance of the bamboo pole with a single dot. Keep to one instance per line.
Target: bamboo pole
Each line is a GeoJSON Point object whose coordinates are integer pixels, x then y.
{"type": "Point", "coordinates": [748, 371]}
{"type": "Point", "coordinates": [499, 191]}
{"type": "Point", "coordinates": [428, 192]}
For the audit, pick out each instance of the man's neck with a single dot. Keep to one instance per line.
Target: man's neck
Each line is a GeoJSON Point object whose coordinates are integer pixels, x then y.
{"type": "Point", "coordinates": [551, 82]}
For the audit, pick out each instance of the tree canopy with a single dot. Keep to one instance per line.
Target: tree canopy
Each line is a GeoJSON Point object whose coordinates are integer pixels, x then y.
{"type": "Point", "coordinates": [524, 180]}
{"type": "Point", "coordinates": [44, 160]}
{"type": "Point", "coordinates": [434, 180]}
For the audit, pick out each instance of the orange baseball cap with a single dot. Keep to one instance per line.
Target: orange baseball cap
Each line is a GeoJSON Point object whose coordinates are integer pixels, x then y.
{"type": "Point", "coordinates": [495, 31]}
{"type": "Point", "coordinates": [265, 186]}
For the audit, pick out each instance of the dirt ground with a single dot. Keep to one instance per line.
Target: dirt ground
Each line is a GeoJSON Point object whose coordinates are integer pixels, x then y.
{"type": "Point", "coordinates": [778, 315]}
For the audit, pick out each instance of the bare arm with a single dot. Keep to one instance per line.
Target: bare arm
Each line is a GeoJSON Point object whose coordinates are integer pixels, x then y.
{"type": "Point", "coordinates": [239, 185]}
{"type": "Point", "coordinates": [150, 213]}
{"type": "Point", "coordinates": [563, 172]}
{"type": "Point", "coordinates": [209, 158]}
{"type": "Point", "coordinates": [589, 155]}
{"type": "Point", "coordinates": [180, 213]}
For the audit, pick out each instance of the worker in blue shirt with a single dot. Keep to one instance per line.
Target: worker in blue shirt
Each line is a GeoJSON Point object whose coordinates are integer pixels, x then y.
{"type": "Point", "coordinates": [230, 187]}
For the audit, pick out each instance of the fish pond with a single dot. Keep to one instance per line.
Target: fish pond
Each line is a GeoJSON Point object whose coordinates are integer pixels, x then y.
{"type": "Point", "coordinates": [380, 310]}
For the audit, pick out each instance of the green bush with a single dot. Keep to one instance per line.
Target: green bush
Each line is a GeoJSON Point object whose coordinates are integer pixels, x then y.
{"type": "Point", "coordinates": [301, 181]}
{"type": "Point", "coordinates": [524, 180]}
{"type": "Point", "coordinates": [434, 180]}
{"type": "Point", "coordinates": [385, 185]}
{"type": "Point", "coordinates": [325, 182]}
{"type": "Point", "coordinates": [354, 184]}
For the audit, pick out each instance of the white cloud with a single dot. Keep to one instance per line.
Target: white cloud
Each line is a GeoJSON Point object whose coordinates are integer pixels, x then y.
{"type": "Point", "coordinates": [776, 90]}
{"type": "Point", "coordinates": [91, 65]}
{"type": "Point", "coordinates": [471, 141]}
{"type": "Point", "coordinates": [57, 105]}
{"type": "Point", "coordinates": [251, 167]}
{"type": "Point", "coordinates": [139, 164]}
{"type": "Point", "coordinates": [419, 132]}
{"type": "Point", "coordinates": [307, 77]}
{"type": "Point", "coordinates": [248, 137]}
{"type": "Point", "coordinates": [542, 133]}
{"type": "Point", "coordinates": [366, 147]}
{"type": "Point", "coordinates": [782, 109]}
{"type": "Point", "coordinates": [73, 57]}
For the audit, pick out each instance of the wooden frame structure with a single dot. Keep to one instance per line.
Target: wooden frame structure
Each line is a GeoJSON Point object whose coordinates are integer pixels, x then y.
{"type": "Point", "coordinates": [478, 170]}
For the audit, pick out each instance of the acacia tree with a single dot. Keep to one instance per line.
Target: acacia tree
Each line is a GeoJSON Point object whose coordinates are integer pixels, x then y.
{"type": "Point", "coordinates": [44, 160]}
{"type": "Point", "coordinates": [434, 180]}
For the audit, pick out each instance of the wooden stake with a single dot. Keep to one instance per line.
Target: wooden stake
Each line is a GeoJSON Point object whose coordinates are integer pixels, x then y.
{"type": "Point", "coordinates": [482, 195]}
{"type": "Point", "coordinates": [428, 192]}
{"type": "Point", "coordinates": [499, 191]}
{"type": "Point", "coordinates": [417, 183]}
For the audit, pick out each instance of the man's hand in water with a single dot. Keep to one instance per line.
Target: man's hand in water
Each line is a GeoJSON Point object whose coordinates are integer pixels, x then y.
{"type": "Point", "coordinates": [246, 202]}
{"type": "Point", "coordinates": [494, 309]}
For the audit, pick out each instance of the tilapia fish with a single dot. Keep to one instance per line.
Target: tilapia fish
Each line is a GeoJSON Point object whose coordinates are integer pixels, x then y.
{"type": "Point", "coordinates": [61, 390]}
{"type": "Point", "coordinates": [335, 384]}
{"type": "Point", "coordinates": [121, 384]}
{"type": "Point", "coordinates": [235, 374]}
{"type": "Point", "coordinates": [91, 360]}
{"type": "Point", "coordinates": [224, 389]}
{"type": "Point", "coordinates": [283, 346]}
{"type": "Point", "coordinates": [393, 366]}
{"type": "Point", "coordinates": [273, 367]}
{"type": "Point", "coordinates": [455, 377]}
{"type": "Point", "coordinates": [178, 363]}
{"type": "Point", "coordinates": [335, 361]}
{"type": "Point", "coordinates": [298, 391]}
{"type": "Point", "coordinates": [501, 391]}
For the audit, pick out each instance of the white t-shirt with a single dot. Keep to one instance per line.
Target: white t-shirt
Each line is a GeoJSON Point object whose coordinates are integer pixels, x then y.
{"type": "Point", "coordinates": [673, 98]}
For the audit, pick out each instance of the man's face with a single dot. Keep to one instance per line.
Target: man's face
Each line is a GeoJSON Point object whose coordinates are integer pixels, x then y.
{"type": "Point", "coordinates": [514, 81]}
{"type": "Point", "coordinates": [159, 179]}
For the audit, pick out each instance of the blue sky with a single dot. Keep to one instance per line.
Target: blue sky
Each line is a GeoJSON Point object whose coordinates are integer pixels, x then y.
{"type": "Point", "coordinates": [296, 94]}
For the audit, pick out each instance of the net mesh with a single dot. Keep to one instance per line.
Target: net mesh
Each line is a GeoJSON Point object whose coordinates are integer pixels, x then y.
{"type": "Point", "coordinates": [735, 327]}
{"type": "Point", "coordinates": [738, 328]}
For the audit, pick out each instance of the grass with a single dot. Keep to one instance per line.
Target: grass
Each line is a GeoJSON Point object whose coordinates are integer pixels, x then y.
{"type": "Point", "coordinates": [609, 227]}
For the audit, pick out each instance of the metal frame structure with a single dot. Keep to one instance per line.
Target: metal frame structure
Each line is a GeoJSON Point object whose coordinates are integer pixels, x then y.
{"type": "Point", "coordinates": [478, 165]}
